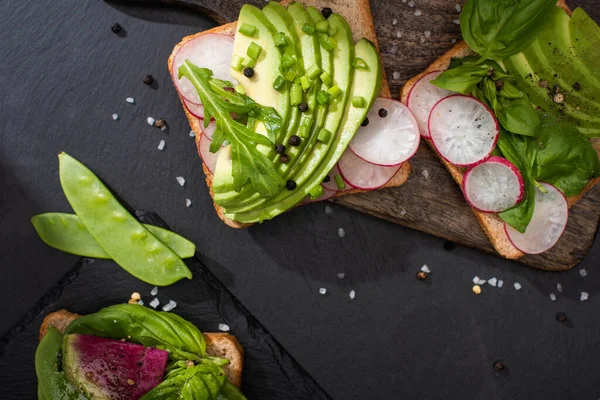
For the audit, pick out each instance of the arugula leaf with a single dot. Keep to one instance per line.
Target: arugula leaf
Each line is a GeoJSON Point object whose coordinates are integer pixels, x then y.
{"type": "Point", "coordinates": [248, 163]}
{"type": "Point", "coordinates": [500, 28]}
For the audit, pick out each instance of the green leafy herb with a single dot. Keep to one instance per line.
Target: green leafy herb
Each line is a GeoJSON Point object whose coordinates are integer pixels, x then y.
{"type": "Point", "coordinates": [500, 28]}
{"type": "Point", "coordinates": [461, 79]}
{"type": "Point", "coordinates": [248, 163]}
{"type": "Point", "coordinates": [186, 381]}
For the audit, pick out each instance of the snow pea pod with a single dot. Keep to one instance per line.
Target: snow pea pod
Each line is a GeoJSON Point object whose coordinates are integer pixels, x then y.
{"type": "Point", "coordinates": [122, 236]}
{"type": "Point", "coordinates": [67, 233]}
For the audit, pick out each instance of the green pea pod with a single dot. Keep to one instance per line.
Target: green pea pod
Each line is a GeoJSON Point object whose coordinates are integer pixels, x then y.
{"type": "Point", "coordinates": [122, 236]}
{"type": "Point", "coordinates": [67, 233]}
{"type": "Point", "coordinates": [52, 383]}
{"type": "Point", "coordinates": [230, 392]}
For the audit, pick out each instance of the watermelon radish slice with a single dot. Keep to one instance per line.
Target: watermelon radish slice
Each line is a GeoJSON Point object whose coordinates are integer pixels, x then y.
{"type": "Point", "coordinates": [387, 141]}
{"type": "Point", "coordinates": [463, 130]}
{"type": "Point", "coordinates": [548, 223]}
{"type": "Point", "coordinates": [363, 175]}
{"type": "Point", "coordinates": [209, 159]}
{"type": "Point", "coordinates": [493, 186]}
{"type": "Point", "coordinates": [111, 369]}
{"type": "Point", "coordinates": [209, 130]}
{"type": "Point", "coordinates": [332, 185]}
{"type": "Point", "coordinates": [211, 51]}
{"type": "Point", "coordinates": [197, 110]}
{"type": "Point", "coordinates": [327, 194]}
{"type": "Point", "coordinates": [422, 97]}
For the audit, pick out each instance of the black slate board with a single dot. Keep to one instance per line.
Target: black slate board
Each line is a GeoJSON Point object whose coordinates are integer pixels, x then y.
{"type": "Point", "coordinates": [270, 372]}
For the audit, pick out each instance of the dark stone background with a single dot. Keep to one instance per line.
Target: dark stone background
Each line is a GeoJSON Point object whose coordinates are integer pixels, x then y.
{"type": "Point", "coordinates": [63, 73]}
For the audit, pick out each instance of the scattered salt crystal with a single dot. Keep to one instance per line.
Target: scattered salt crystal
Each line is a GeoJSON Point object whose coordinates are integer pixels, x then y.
{"type": "Point", "coordinates": [427, 33]}
{"type": "Point", "coordinates": [456, 21]}
{"type": "Point", "coordinates": [322, 290]}
{"type": "Point", "coordinates": [552, 297]}
{"type": "Point", "coordinates": [418, 13]}
{"type": "Point", "coordinates": [328, 210]}
{"type": "Point", "coordinates": [154, 291]}
{"type": "Point", "coordinates": [150, 121]}
{"type": "Point", "coordinates": [559, 287]}
{"type": "Point", "coordinates": [341, 232]}
{"type": "Point", "coordinates": [352, 294]}
{"type": "Point", "coordinates": [163, 128]}
{"type": "Point", "coordinates": [492, 282]}
{"type": "Point", "coordinates": [453, 41]}
{"type": "Point", "coordinates": [584, 296]}
{"type": "Point", "coordinates": [393, 49]}
{"type": "Point", "coordinates": [161, 145]}
{"type": "Point", "coordinates": [500, 283]}
{"type": "Point", "coordinates": [425, 269]}
{"type": "Point", "coordinates": [583, 273]}
{"type": "Point", "coordinates": [458, 8]}
{"type": "Point", "coordinates": [403, 212]}
{"type": "Point", "coordinates": [141, 302]}
{"type": "Point", "coordinates": [224, 327]}
{"type": "Point", "coordinates": [154, 303]}
{"type": "Point", "coordinates": [130, 100]}
{"type": "Point", "coordinates": [169, 306]}
{"type": "Point", "coordinates": [398, 34]}
{"type": "Point", "coordinates": [115, 116]}
{"type": "Point", "coordinates": [395, 21]}
{"type": "Point", "coordinates": [180, 180]}
{"type": "Point", "coordinates": [481, 282]}
{"type": "Point", "coordinates": [341, 275]}
{"type": "Point", "coordinates": [425, 174]}
{"type": "Point", "coordinates": [517, 286]}
{"type": "Point", "coordinates": [396, 75]}
{"type": "Point", "coordinates": [411, 3]}
{"type": "Point", "coordinates": [192, 134]}
{"type": "Point", "coordinates": [476, 280]}
{"type": "Point", "coordinates": [422, 40]}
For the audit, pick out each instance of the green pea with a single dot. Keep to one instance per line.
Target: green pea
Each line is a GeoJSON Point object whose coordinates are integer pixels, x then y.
{"type": "Point", "coordinates": [96, 207]}
{"type": "Point", "coordinates": [67, 233]}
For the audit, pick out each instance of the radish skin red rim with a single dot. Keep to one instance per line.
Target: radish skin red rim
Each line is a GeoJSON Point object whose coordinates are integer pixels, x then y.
{"type": "Point", "coordinates": [212, 51]}
{"type": "Point", "coordinates": [327, 194]}
{"type": "Point", "coordinates": [547, 225]}
{"type": "Point", "coordinates": [209, 159]}
{"type": "Point", "coordinates": [463, 130]}
{"type": "Point", "coordinates": [421, 99]}
{"type": "Point", "coordinates": [363, 175]}
{"type": "Point", "coordinates": [493, 186]}
{"type": "Point", "coordinates": [197, 110]}
{"type": "Point", "coordinates": [332, 185]}
{"type": "Point", "coordinates": [387, 141]}
{"type": "Point", "coordinates": [209, 130]}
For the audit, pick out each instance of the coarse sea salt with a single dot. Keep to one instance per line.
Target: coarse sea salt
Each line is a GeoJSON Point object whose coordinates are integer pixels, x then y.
{"type": "Point", "coordinates": [418, 13]}
{"type": "Point", "coordinates": [475, 279]}
{"type": "Point", "coordinates": [169, 306]}
{"type": "Point", "coordinates": [154, 303]}
{"type": "Point", "coordinates": [188, 203]}
{"type": "Point", "coordinates": [341, 232]}
{"type": "Point", "coordinates": [559, 287]}
{"type": "Point", "coordinates": [453, 41]}
{"type": "Point", "coordinates": [458, 8]}
{"type": "Point", "coordinates": [180, 180]}
{"type": "Point", "coordinates": [584, 296]}
{"type": "Point", "coordinates": [322, 290]}
{"type": "Point", "coordinates": [456, 21]}
{"type": "Point", "coordinates": [411, 3]}
{"type": "Point", "coordinates": [192, 134]}
{"type": "Point", "coordinates": [115, 116]}
{"type": "Point", "coordinates": [481, 282]}
{"type": "Point", "coordinates": [395, 21]}
{"type": "Point", "coordinates": [425, 269]}
{"type": "Point", "coordinates": [154, 291]}
{"type": "Point", "coordinates": [328, 210]}
{"type": "Point", "coordinates": [422, 40]}
{"type": "Point", "coordinates": [396, 75]}
{"type": "Point", "coordinates": [224, 327]}
{"type": "Point", "coordinates": [161, 145]}
{"type": "Point", "coordinates": [150, 121]}
{"type": "Point", "coordinates": [427, 33]}
{"type": "Point", "coordinates": [500, 283]}
{"type": "Point", "coordinates": [425, 174]}
{"type": "Point", "coordinates": [130, 100]}
{"type": "Point", "coordinates": [583, 273]}
{"type": "Point", "coordinates": [141, 302]}
{"type": "Point", "coordinates": [403, 212]}
{"type": "Point", "coordinates": [341, 275]}
{"type": "Point", "coordinates": [352, 294]}
{"type": "Point", "coordinates": [398, 34]}
{"type": "Point", "coordinates": [492, 282]}
{"type": "Point", "coordinates": [552, 297]}
{"type": "Point", "coordinates": [517, 286]}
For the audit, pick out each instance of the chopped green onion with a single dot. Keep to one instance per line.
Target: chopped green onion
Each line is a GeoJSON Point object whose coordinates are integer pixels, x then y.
{"type": "Point", "coordinates": [323, 97]}
{"type": "Point", "coordinates": [332, 30]}
{"type": "Point", "coordinates": [322, 26]}
{"type": "Point", "coordinates": [287, 61]}
{"type": "Point", "coordinates": [254, 50]}
{"type": "Point", "coordinates": [303, 132]}
{"type": "Point", "coordinates": [327, 42]}
{"type": "Point", "coordinates": [240, 89]}
{"type": "Point", "coordinates": [324, 135]}
{"type": "Point", "coordinates": [309, 29]}
{"type": "Point", "coordinates": [316, 192]}
{"type": "Point", "coordinates": [247, 30]}
{"type": "Point", "coordinates": [339, 181]}
{"type": "Point", "coordinates": [305, 82]}
{"type": "Point", "coordinates": [279, 83]}
{"type": "Point", "coordinates": [335, 91]}
{"type": "Point", "coordinates": [296, 95]}
{"type": "Point", "coordinates": [249, 63]}
{"type": "Point", "coordinates": [307, 121]}
{"type": "Point", "coordinates": [280, 39]}
{"type": "Point", "coordinates": [359, 102]}
{"type": "Point", "coordinates": [291, 75]}
{"type": "Point", "coordinates": [236, 62]}
{"type": "Point", "coordinates": [326, 79]}
{"type": "Point", "coordinates": [313, 71]}
{"type": "Point", "coordinates": [359, 63]}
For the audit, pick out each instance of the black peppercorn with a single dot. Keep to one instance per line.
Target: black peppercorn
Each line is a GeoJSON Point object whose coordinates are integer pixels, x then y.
{"type": "Point", "coordinates": [284, 159]}
{"type": "Point", "coordinates": [327, 179]}
{"type": "Point", "coordinates": [294, 140]}
{"type": "Point", "coordinates": [421, 275]}
{"type": "Point", "coordinates": [498, 366]}
{"type": "Point", "coordinates": [499, 85]}
{"type": "Point", "coordinates": [577, 86]}
{"type": "Point", "coordinates": [280, 149]}
{"type": "Point", "coordinates": [290, 185]}
{"type": "Point", "coordinates": [303, 107]}
{"type": "Point", "coordinates": [561, 317]}
{"type": "Point", "coordinates": [382, 112]}
{"type": "Point", "coordinates": [148, 79]}
{"type": "Point", "coordinates": [248, 72]}
{"type": "Point", "coordinates": [326, 11]}
{"type": "Point", "coordinates": [116, 28]}
{"type": "Point", "coordinates": [365, 122]}
{"type": "Point", "coordinates": [159, 123]}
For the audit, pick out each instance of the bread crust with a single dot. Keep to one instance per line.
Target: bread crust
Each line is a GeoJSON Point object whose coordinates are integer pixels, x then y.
{"type": "Point", "coordinates": [359, 17]}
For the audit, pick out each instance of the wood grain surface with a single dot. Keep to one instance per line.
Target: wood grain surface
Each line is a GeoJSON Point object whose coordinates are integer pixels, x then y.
{"type": "Point", "coordinates": [412, 34]}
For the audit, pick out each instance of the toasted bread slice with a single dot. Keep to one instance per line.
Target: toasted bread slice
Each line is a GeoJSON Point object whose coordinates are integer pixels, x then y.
{"type": "Point", "coordinates": [492, 225]}
{"type": "Point", "coordinates": [359, 17]}
{"type": "Point", "coordinates": [218, 344]}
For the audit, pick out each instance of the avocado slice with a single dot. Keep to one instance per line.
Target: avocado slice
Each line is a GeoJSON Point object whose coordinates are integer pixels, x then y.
{"type": "Point", "coordinates": [365, 83]}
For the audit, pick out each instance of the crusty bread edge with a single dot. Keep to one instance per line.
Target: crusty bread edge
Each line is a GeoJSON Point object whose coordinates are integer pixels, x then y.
{"type": "Point", "coordinates": [363, 9]}
{"type": "Point", "coordinates": [215, 342]}
{"type": "Point", "coordinates": [491, 224]}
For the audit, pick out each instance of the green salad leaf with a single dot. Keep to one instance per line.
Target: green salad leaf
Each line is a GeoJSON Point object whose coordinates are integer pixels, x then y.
{"type": "Point", "coordinates": [497, 29]}
{"type": "Point", "coordinates": [249, 165]}
{"type": "Point", "coordinates": [185, 380]}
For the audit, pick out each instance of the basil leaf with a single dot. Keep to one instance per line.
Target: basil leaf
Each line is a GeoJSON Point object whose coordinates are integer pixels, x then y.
{"type": "Point", "coordinates": [198, 382]}
{"type": "Point", "coordinates": [490, 92]}
{"type": "Point", "coordinates": [145, 326]}
{"type": "Point", "coordinates": [518, 116]}
{"type": "Point", "coordinates": [510, 91]}
{"type": "Point", "coordinates": [500, 28]}
{"type": "Point", "coordinates": [462, 79]}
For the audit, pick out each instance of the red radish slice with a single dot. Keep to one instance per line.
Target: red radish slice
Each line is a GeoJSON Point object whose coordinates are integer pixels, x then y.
{"type": "Point", "coordinates": [211, 51]}
{"type": "Point", "coordinates": [547, 224]}
{"type": "Point", "coordinates": [197, 110]}
{"type": "Point", "coordinates": [327, 194]}
{"type": "Point", "coordinates": [463, 130]}
{"type": "Point", "coordinates": [331, 184]}
{"type": "Point", "coordinates": [422, 97]}
{"type": "Point", "coordinates": [209, 159]}
{"type": "Point", "coordinates": [363, 175]}
{"type": "Point", "coordinates": [493, 186]}
{"type": "Point", "coordinates": [209, 130]}
{"type": "Point", "coordinates": [387, 141]}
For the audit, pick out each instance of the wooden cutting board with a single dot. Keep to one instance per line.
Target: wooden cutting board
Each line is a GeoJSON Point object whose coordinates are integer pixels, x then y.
{"type": "Point", "coordinates": [412, 34]}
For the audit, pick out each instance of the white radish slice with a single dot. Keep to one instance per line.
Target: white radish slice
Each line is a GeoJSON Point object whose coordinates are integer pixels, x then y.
{"type": "Point", "coordinates": [548, 223]}
{"type": "Point", "coordinates": [422, 97]}
{"type": "Point", "coordinates": [493, 186]}
{"type": "Point", "coordinates": [332, 185]}
{"type": "Point", "coordinates": [209, 130]}
{"type": "Point", "coordinates": [327, 194]}
{"type": "Point", "coordinates": [211, 51]}
{"type": "Point", "coordinates": [387, 141]}
{"type": "Point", "coordinates": [363, 175]}
{"type": "Point", "coordinates": [197, 110]}
{"type": "Point", "coordinates": [463, 130]}
{"type": "Point", "coordinates": [209, 159]}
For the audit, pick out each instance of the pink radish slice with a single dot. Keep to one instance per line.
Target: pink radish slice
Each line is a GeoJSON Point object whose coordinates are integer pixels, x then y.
{"type": "Point", "coordinates": [197, 110]}
{"type": "Point", "coordinates": [363, 175]}
{"type": "Point", "coordinates": [332, 185]}
{"type": "Point", "coordinates": [548, 223]}
{"type": "Point", "coordinates": [387, 141]}
{"type": "Point", "coordinates": [211, 51]}
{"type": "Point", "coordinates": [422, 97]}
{"type": "Point", "coordinates": [209, 130]}
{"type": "Point", "coordinates": [327, 194]}
{"type": "Point", "coordinates": [493, 186]}
{"type": "Point", "coordinates": [209, 159]}
{"type": "Point", "coordinates": [463, 130]}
